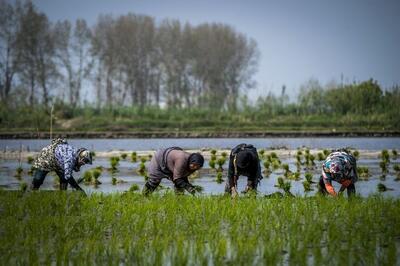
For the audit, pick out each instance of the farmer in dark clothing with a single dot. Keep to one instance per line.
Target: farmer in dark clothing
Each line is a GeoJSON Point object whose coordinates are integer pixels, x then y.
{"type": "Point", "coordinates": [243, 160]}
{"type": "Point", "coordinates": [174, 164]}
{"type": "Point", "coordinates": [339, 166]}
{"type": "Point", "coordinates": [61, 158]}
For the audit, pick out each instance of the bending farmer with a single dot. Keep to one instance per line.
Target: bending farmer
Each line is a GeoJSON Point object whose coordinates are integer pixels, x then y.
{"type": "Point", "coordinates": [62, 158]}
{"type": "Point", "coordinates": [243, 160]}
{"type": "Point", "coordinates": [341, 167]}
{"type": "Point", "coordinates": [174, 164]}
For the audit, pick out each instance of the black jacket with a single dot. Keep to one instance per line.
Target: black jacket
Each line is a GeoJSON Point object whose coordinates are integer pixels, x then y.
{"type": "Point", "coordinates": [253, 171]}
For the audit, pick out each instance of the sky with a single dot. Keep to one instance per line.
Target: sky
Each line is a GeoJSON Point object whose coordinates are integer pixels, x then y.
{"type": "Point", "coordinates": [297, 40]}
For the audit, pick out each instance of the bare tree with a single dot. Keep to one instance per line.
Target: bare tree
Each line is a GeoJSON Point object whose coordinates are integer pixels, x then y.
{"type": "Point", "coordinates": [36, 52]}
{"type": "Point", "coordinates": [8, 59]}
{"type": "Point", "coordinates": [74, 54]}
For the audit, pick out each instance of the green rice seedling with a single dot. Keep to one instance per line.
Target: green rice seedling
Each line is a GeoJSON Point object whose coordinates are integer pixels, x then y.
{"type": "Point", "coordinates": [286, 188]}
{"type": "Point", "coordinates": [142, 168]}
{"type": "Point", "coordinates": [298, 159]}
{"type": "Point", "coordinates": [213, 157]}
{"type": "Point", "coordinates": [307, 151]}
{"type": "Point", "coordinates": [99, 168]}
{"type": "Point", "coordinates": [396, 168]}
{"type": "Point", "coordinates": [280, 183]}
{"type": "Point", "coordinates": [261, 153]}
{"type": "Point", "coordinates": [286, 169]}
{"type": "Point", "coordinates": [134, 157]}
{"type": "Point", "coordinates": [394, 154]}
{"type": "Point", "coordinates": [224, 154]}
{"type": "Point", "coordinates": [219, 179]}
{"type": "Point", "coordinates": [93, 153]}
{"type": "Point", "coordinates": [23, 186]}
{"type": "Point", "coordinates": [266, 164]}
{"type": "Point", "coordinates": [113, 180]}
{"type": "Point", "coordinates": [307, 159]}
{"type": "Point", "coordinates": [150, 156]}
{"type": "Point", "coordinates": [31, 170]}
{"type": "Point", "coordinates": [356, 154]}
{"type": "Point", "coordinates": [213, 152]}
{"type": "Point", "coordinates": [384, 167]}
{"type": "Point", "coordinates": [114, 162]}
{"type": "Point", "coordinates": [308, 176]}
{"type": "Point", "coordinates": [198, 188]}
{"type": "Point", "coordinates": [211, 164]}
{"type": "Point", "coordinates": [385, 156]}
{"type": "Point", "coordinates": [312, 158]}
{"type": "Point", "coordinates": [30, 160]}
{"type": "Point", "coordinates": [268, 157]}
{"type": "Point", "coordinates": [123, 156]}
{"type": "Point", "coordinates": [133, 188]}
{"type": "Point", "coordinates": [143, 159]}
{"type": "Point", "coordinates": [363, 172]}
{"type": "Point", "coordinates": [221, 162]}
{"type": "Point", "coordinates": [307, 186]}
{"type": "Point", "coordinates": [299, 152]}
{"type": "Point", "coordinates": [326, 152]}
{"type": "Point", "coordinates": [295, 176]}
{"type": "Point", "coordinates": [274, 155]}
{"type": "Point", "coordinates": [320, 156]}
{"type": "Point", "coordinates": [18, 172]}
{"type": "Point", "coordinates": [275, 165]}
{"type": "Point", "coordinates": [381, 187]}
{"type": "Point", "coordinates": [87, 177]}
{"type": "Point", "coordinates": [96, 174]}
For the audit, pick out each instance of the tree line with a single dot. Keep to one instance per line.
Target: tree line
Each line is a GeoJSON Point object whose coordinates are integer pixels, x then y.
{"type": "Point", "coordinates": [126, 60]}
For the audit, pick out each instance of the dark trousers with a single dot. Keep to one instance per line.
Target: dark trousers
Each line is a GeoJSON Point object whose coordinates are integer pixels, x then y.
{"type": "Point", "coordinates": [351, 190]}
{"type": "Point", "coordinates": [40, 175]}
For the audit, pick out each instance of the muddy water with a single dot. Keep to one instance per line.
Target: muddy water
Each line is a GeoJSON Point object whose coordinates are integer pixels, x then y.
{"type": "Point", "coordinates": [206, 179]}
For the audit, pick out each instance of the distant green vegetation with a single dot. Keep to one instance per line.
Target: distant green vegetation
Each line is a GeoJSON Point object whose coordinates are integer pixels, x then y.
{"type": "Point", "coordinates": [353, 108]}
{"type": "Point", "coordinates": [65, 228]}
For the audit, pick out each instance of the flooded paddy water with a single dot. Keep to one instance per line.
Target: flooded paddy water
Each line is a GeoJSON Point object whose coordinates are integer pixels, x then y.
{"type": "Point", "coordinates": [14, 153]}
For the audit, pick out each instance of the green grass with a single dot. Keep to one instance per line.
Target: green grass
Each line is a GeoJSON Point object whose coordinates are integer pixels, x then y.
{"type": "Point", "coordinates": [66, 228]}
{"type": "Point", "coordinates": [200, 121]}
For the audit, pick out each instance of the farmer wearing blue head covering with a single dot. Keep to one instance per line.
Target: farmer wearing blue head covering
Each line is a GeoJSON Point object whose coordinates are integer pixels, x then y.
{"type": "Point", "coordinates": [243, 160]}
{"type": "Point", "coordinates": [339, 166]}
{"type": "Point", "coordinates": [63, 159]}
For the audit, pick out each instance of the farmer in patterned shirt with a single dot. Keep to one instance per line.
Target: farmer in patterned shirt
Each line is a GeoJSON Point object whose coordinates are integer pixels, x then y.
{"type": "Point", "coordinates": [339, 166]}
{"type": "Point", "coordinates": [61, 158]}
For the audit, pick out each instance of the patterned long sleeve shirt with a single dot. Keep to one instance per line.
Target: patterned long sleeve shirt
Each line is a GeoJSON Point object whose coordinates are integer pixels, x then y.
{"type": "Point", "coordinates": [66, 156]}
{"type": "Point", "coordinates": [347, 174]}
{"type": "Point", "coordinates": [59, 156]}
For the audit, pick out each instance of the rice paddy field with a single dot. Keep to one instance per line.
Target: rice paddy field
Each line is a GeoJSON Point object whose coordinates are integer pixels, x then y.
{"type": "Point", "coordinates": [129, 229]}
{"type": "Point", "coordinates": [286, 223]}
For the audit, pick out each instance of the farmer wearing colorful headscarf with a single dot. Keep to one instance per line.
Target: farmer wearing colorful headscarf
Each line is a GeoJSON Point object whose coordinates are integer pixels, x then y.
{"type": "Point", "coordinates": [61, 158]}
{"type": "Point", "coordinates": [243, 160]}
{"type": "Point", "coordinates": [174, 164]}
{"type": "Point", "coordinates": [339, 166]}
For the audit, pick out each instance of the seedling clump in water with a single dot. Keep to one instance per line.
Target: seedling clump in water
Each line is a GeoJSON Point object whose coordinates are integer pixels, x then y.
{"type": "Point", "coordinates": [134, 157]}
